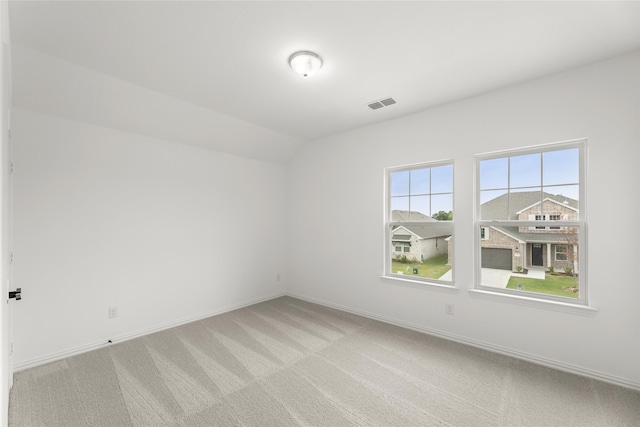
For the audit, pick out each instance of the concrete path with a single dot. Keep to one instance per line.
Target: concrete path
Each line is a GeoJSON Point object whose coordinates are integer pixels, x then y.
{"type": "Point", "coordinates": [499, 278]}
{"type": "Point", "coordinates": [495, 278]}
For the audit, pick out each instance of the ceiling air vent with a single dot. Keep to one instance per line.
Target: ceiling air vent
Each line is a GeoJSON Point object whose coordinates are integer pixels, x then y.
{"type": "Point", "coordinates": [385, 102]}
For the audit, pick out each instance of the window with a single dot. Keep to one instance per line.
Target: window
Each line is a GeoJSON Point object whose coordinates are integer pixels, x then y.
{"type": "Point", "coordinates": [484, 233]}
{"type": "Point", "coordinates": [561, 253]}
{"type": "Point", "coordinates": [523, 195]}
{"type": "Point", "coordinates": [551, 217]}
{"type": "Point", "coordinates": [419, 220]}
{"type": "Point", "coordinates": [403, 247]}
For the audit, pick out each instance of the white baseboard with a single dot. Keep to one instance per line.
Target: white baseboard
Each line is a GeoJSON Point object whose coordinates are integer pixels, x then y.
{"type": "Point", "coordinates": [53, 357]}
{"type": "Point", "coordinates": [554, 364]}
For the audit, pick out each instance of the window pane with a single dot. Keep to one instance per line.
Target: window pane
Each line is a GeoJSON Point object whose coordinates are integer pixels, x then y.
{"type": "Point", "coordinates": [566, 205]}
{"type": "Point", "coordinates": [525, 170]}
{"type": "Point", "coordinates": [420, 181]}
{"type": "Point", "coordinates": [442, 179]}
{"type": "Point", "coordinates": [442, 207]}
{"type": "Point", "coordinates": [399, 204]}
{"type": "Point", "coordinates": [427, 256]}
{"type": "Point", "coordinates": [561, 167]}
{"type": "Point", "coordinates": [494, 173]}
{"type": "Point", "coordinates": [523, 204]}
{"type": "Point", "coordinates": [494, 205]}
{"type": "Point", "coordinates": [400, 183]}
{"type": "Point", "coordinates": [565, 193]}
{"type": "Point", "coordinates": [538, 266]}
{"type": "Point", "coordinates": [419, 208]}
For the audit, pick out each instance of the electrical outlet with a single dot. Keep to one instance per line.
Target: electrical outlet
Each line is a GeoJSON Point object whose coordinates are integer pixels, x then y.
{"type": "Point", "coordinates": [113, 312]}
{"type": "Point", "coordinates": [278, 277]}
{"type": "Point", "coordinates": [448, 308]}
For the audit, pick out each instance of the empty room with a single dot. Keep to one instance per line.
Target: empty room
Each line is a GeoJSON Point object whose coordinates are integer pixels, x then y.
{"type": "Point", "coordinates": [320, 213]}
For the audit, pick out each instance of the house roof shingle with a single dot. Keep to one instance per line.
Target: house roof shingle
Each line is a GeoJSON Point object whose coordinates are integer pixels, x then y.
{"type": "Point", "coordinates": [423, 231]}
{"type": "Point", "coordinates": [428, 232]}
{"type": "Point", "coordinates": [402, 216]}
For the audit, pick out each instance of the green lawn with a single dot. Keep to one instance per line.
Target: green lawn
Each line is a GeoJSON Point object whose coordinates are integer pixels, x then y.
{"type": "Point", "coordinates": [551, 285]}
{"type": "Point", "coordinates": [432, 268]}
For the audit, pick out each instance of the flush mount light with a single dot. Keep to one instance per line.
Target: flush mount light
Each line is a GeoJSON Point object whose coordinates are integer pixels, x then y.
{"type": "Point", "coordinates": [305, 63]}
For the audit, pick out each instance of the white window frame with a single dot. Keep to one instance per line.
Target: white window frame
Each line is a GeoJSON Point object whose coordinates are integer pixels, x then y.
{"type": "Point", "coordinates": [486, 233]}
{"type": "Point", "coordinates": [389, 249]}
{"type": "Point", "coordinates": [404, 247]}
{"type": "Point", "coordinates": [565, 253]}
{"type": "Point", "coordinates": [580, 224]}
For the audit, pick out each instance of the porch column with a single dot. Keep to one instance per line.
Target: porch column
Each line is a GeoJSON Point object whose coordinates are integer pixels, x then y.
{"type": "Point", "coordinates": [575, 259]}
{"type": "Point", "coordinates": [549, 255]}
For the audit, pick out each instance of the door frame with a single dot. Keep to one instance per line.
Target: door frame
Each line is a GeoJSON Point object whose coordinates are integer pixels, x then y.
{"type": "Point", "coordinates": [534, 253]}
{"type": "Point", "coordinates": [6, 223]}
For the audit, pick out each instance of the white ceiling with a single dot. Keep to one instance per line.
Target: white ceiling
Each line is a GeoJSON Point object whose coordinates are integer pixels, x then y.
{"type": "Point", "coordinates": [223, 65]}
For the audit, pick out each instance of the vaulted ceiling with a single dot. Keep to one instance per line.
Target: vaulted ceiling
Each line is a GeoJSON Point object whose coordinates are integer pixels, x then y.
{"type": "Point", "coordinates": [215, 74]}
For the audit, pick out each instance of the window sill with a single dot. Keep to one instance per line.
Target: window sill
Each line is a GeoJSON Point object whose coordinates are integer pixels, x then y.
{"type": "Point", "coordinates": [423, 285]}
{"type": "Point", "coordinates": [535, 302]}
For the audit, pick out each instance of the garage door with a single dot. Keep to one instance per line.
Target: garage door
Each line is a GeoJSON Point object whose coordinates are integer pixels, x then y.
{"type": "Point", "coordinates": [496, 258]}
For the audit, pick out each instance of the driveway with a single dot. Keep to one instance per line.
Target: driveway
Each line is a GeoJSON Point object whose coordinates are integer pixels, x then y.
{"type": "Point", "coordinates": [495, 278]}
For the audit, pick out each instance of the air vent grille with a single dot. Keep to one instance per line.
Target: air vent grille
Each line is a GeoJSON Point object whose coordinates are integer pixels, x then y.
{"type": "Point", "coordinates": [384, 102]}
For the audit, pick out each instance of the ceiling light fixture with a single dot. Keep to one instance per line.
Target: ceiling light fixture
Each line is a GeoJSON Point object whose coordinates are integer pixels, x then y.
{"type": "Point", "coordinates": [305, 63]}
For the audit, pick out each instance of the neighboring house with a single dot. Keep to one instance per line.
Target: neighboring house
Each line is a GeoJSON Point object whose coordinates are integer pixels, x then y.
{"type": "Point", "coordinates": [508, 248]}
{"type": "Point", "coordinates": [418, 242]}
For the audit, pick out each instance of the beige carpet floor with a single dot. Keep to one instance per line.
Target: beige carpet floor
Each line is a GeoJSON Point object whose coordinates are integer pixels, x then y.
{"type": "Point", "coordinates": [287, 362]}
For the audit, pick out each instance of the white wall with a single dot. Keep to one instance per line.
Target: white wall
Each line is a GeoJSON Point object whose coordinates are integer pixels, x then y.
{"type": "Point", "coordinates": [335, 191]}
{"type": "Point", "coordinates": [162, 231]}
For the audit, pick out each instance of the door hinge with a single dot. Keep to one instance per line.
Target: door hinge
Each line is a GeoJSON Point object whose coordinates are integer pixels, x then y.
{"type": "Point", "coordinates": [10, 167]}
{"type": "Point", "coordinates": [10, 257]}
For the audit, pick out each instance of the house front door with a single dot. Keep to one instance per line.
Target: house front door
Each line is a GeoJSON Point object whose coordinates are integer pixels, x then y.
{"type": "Point", "coordinates": [536, 255]}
